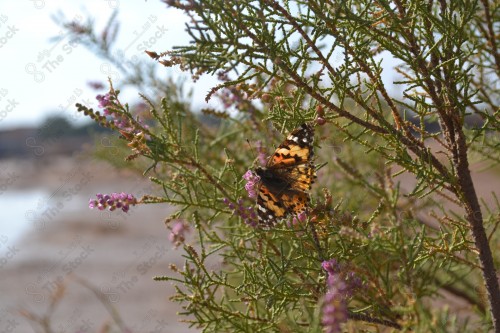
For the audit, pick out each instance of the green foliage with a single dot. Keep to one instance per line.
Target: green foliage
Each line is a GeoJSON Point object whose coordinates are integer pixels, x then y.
{"type": "Point", "coordinates": [321, 61]}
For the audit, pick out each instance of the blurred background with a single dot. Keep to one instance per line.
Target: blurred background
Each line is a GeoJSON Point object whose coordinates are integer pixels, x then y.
{"type": "Point", "coordinates": [64, 267]}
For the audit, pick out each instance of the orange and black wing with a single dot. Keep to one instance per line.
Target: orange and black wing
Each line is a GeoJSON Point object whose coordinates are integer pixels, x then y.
{"type": "Point", "coordinates": [288, 177]}
{"type": "Point", "coordinates": [270, 207]}
{"type": "Point", "coordinates": [273, 207]}
{"type": "Point", "coordinates": [295, 150]}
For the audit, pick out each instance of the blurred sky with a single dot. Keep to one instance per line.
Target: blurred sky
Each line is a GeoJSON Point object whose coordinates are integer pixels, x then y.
{"type": "Point", "coordinates": [40, 76]}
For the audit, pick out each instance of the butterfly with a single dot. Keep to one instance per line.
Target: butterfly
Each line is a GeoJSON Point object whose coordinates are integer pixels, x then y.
{"type": "Point", "coordinates": [287, 178]}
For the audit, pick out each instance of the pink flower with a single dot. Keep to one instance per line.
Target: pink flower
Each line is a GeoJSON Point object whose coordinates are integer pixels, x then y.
{"type": "Point", "coordinates": [178, 233]}
{"type": "Point", "coordinates": [248, 214]}
{"type": "Point", "coordinates": [113, 201]}
{"type": "Point", "coordinates": [103, 100]}
{"type": "Point", "coordinates": [251, 185]}
{"type": "Point", "coordinates": [334, 309]}
{"type": "Point", "coordinates": [340, 285]}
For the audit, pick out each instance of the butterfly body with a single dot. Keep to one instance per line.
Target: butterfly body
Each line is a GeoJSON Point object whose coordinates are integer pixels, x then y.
{"type": "Point", "coordinates": [275, 180]}
{"type": "Point", "coordinates": [287, 177]}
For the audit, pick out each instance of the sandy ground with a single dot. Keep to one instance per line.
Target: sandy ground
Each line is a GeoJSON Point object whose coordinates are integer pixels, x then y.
{"type": "Point", "coordinates": [118, 254]}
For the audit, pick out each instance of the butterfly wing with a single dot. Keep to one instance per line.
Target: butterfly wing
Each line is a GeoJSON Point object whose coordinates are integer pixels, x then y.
{"type": "Point", "coordinates": [269, 206]}
{"type": "Point", "coordinates": [273, 207]}
{"type": "Point", "coordinates": [302, 177]}
{"type": "Point", "coordinates": [295, 150]}
{"type": "Point", "coordinates": [289, 174]}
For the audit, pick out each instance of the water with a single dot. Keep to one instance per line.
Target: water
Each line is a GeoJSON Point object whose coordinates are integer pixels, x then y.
{"type": "Point", "coordinates": [22, 211]}
{"type": "Point", "coordinates": [14, 214]}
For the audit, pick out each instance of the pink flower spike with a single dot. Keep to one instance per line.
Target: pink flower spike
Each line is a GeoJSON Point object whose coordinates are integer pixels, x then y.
{"type": "Point", "coordinates": [113, 201]}
{"type": "Point", "coordinates": [251, 185]}
{"type": "Point", "coordinates": [248, 175]}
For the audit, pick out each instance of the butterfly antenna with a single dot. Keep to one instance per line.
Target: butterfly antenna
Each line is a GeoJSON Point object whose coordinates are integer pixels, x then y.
{"type": "Point", "coordinates": [253, 150]}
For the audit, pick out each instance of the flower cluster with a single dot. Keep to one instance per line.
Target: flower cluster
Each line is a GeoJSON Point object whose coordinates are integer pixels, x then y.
{"type": "Point", "coordinates": [133, 132]}
{"type": "Point", "coordinates": [334, 311]}
{"type": "Point", "coordinates": [353, 282]}
{"type": "Point", "coordinates": [297, 220]}
{"type": "Point", "coordinates": [340, 285]}
{"type": "Point", "coordinates": [331, 266]}
{"type": "Point", "coordinates": [251, 185]}
{"type": "Point", "coordinates": [334, 305]}
{"type": "Point", "coordinates": [178, 233]}
{"type": "Point", "coordinates": [113, 201]}
{"type": "Point", "coordinates": [248, 214]}
{"type": "Point", "coordinates": [119, 120]}
{"type": "Point", "coordinates": [104, 101]}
